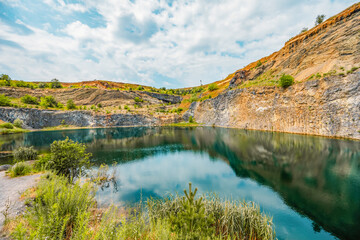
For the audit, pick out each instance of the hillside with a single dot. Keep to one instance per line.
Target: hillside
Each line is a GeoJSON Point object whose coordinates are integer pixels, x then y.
{"type": "Point", "coordinates": [324, 100]}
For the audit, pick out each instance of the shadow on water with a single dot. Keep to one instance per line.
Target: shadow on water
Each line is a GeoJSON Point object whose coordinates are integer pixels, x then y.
{"type": "Point", "coordinates": [318, 178]}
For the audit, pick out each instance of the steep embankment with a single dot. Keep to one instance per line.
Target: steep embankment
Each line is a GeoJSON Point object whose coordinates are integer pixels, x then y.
{"type": "Point", "coordinates": [35, 118]}
{"type": "Point", "coordinates": [325, 99]}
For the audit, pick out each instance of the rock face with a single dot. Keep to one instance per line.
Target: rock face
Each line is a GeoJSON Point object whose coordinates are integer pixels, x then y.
{"type": "Point", "coordinates": [327, 107]}
{"type": "Point", "coordinates": [165, 97]}
{"type": "Point", "coordinates": [35, 118]}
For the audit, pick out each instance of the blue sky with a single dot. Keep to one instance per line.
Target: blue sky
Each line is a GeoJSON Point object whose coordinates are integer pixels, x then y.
{"type": "Point", "coordinates": [153, 42]}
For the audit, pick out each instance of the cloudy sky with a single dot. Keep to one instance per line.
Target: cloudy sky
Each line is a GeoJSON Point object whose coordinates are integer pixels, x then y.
{"type": "Point", "coordinates": [153, 42]}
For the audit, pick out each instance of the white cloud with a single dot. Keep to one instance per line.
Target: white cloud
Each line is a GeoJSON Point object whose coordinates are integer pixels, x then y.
{"type": "Point", "coordinates": [142, 40]}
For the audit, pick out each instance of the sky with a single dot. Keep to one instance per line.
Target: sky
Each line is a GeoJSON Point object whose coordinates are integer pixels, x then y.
{"type": "Point", "coordinates": [160, 43]}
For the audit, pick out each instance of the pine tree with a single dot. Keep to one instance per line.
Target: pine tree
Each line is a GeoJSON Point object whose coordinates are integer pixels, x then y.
{"type": "Point", "coordinates": [191, 221]}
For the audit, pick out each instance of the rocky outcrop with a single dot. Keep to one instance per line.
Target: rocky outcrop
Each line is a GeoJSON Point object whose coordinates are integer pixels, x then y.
{"type": "Point", "coordinates": [35, 118]}
{"type": "Point", "coordinates": [327, 107]}
{"type": "Point", "coordinates": [165, 97]}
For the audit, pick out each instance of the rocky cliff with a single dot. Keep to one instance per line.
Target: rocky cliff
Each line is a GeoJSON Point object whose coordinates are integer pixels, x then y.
{"type": "Point", "coordinates": [327, 107]}
{"type": "Point", "coordinates": [325, 99]}
{"type": "Point", "coordinates": [35, 118]}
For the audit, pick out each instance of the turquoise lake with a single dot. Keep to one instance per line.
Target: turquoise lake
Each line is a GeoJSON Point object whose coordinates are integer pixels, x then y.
{"type": "Point", "coordinates": [309, 185]}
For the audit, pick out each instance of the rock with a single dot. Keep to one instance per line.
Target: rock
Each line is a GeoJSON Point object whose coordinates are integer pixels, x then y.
{"type": "Point", "coordinates": [165, 97]}
{"type": "Point", "coordinates": [5, 167]}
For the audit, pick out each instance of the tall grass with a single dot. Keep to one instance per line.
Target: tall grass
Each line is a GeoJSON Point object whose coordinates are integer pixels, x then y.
{"type": "Point", "coordinates": [62, 210]}
{"type": "Point", "coordinates": [20, 169]}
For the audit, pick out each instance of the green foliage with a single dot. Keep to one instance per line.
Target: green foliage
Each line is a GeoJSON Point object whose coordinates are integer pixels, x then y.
{"type": "Point", "coordinates": [258, 64]}
{"type": "Point", "coordinates": [305, 29]}
{"type": "Point", "coordinates": [213, 87]}
{"type": "Point", "coordinates": [7, 125]}
{"type": "Point", "coordinates": [126, 107]}
{"type": "Point", "coordinates": [43, 85]}
{"type": "Point", "coordinates": [319, 19]}
{"type": "Point", "coordinates": [191, 119]}
{"type": "Point", "coordinates": [62, 210]}
{"type": "Point", "coordinates": [48, 101]}
{"type": "Point", "coordinates": [70, 104]}
{"type": "Point", "coordinates": [226, 219]}
{"type": "Point", "coordinates": [140, 88]}
{"type": "Point", "coordinates": [193, 98]}
{"type": "Point", "coordinates": [59, 211]}
{"type": "Point", "coordinates": [29, 99]}
{"type": "Point", "coordinates": [137, 99]}
{"type": "Point", "coordinates": [20, 169]}
{"type": "Point", "coordinates": [93, 107]}
{"type": "Point", "coordinates": [176, 110]}
{"type": "Point", "coordinates": [99, 105]}
{"type": "Point", "coordinates": [286, 81]}
{"type": "Point", "coordinates": [55, 83]}
{"type": "Point", "coordinates": [191, 221]}
{"type": "Point", "coordinates": [25, 154]}
{"type": "Point", "coordinates": [69, 158]}
{"type": "Point", "coordinates": [18, 123]}
{"type": "Point", "coordinates": [4, 100]}
{"type": "Point", "coordinates": [6, 78]}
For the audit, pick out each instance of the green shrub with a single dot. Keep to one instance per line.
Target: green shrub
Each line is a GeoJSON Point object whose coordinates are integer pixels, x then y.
{"type": "Point", "coordinates": [60, 210]}
{"type": "Point", "coordinates": [4, 100]}
{"type": "Point", "coordinates": [99, 105]}
{"type": "Point", "coordinates": [43, 85]}
{"type": "Point", "coordinates": [69, 158]}
{"type": "Point", "coordinates": [25, 153]}
{"type": "Point", "coordinates": [93, 107]}
{"type": "Point", "coordinates": [20, 169]}
{"type": "Point", "coordinates": [193, 98]}
{"type": "Point", "coordinates": [213, 87]}
{"type": "Point", "coordinates": [6, 78]}
{"type": "Point", "coordinates": [18, 123]}
{"type": "Point", "coordinates": [29, 99]}
{"type": "Point", "coordinates": [70, 104]}
{"type": "Point", "coordinates": [286, 81]}
{"type": "Point", "coordinates": [48, 101]}
{"type": "Point", "coordinates": [55, 83]}
{"type": "Point", "coordinates": [7, 125]}
{"type": "Point", "coordinates": [137, 99]}
{"type": "Point", "coordinates": [191, 119]}
{"type": "Point", "coordinates": [140, 88]}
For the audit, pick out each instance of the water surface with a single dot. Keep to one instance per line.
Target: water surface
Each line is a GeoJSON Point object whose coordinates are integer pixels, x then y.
{"type": "Point", "coordinates": [310, 185]}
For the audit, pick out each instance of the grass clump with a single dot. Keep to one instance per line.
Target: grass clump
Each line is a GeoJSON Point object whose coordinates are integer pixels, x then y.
{"type": "Point", "coordinates": [25, 154]}
{"type": "Point", "coordinates": [20, 169]}
{"type": "Point", "coordinates": [286, 80]}
{"type": "Point", "coordinates": [213, 87]}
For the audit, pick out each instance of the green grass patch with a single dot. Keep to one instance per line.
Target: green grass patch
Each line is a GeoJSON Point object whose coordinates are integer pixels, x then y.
{"type": "Point", "coordinates": [184, 124]}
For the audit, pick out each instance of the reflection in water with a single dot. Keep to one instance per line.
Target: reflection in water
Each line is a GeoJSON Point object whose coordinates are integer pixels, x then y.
{"type": "Point", "coordinates": [308, 184]}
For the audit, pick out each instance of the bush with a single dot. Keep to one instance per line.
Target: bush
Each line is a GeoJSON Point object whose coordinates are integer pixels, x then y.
{"type": "Point", "coordinates": [140, 88]}
{"type": "Point", "coordinates": [48, 101]}
{"type": "Point", "coordinates": [69, 158]}
{"type": "Point", "coordinates": [18, 123]}
{"type": "Point", "coordinates": [213, 87]}
{"type": "Point", "coordinates": [286, 81]}
{"type": "Point", "coordinates": [43, 85]}
{"type": "Point", "coordinates": [6, 78]}
{"type": "Point", "coordinates": [29, 99]}
{"type": "Point", "coordinates": [99, 105]}
{"type": "Point", "coordinates": [319, 19]}
{"type": "Point", "coordinates": [191, 119]}
{"type": "Point", "coordinates": [70, 104]}
{"type": "Point", "coordinates": [7, 125]}
{"type": "Point", "coordinates": [25, 153]}
{"type": "Point", "coordinates": [20, 169]}
{"type": "Point", "coordinates": [55, 83]}
{"type": "Point", "coordinates": [4, 100]}
{"type": "Point", "coordinates": [137, 99]}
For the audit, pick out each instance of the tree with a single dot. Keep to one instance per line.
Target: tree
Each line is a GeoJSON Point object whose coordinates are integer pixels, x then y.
{"type": "Point", "coordinates": [55, 83]}
{"type": "Point", "coordinates": [69, 158]}
{"type": "Point", "coordinates": [304, 29]}
{"type": "Point", "coordinates": [70, 104]}
{"type": "Point", "coordinates": [319, 19]}
{"type": "Point", "coordinates": [6, 78]}
{"type": "Point", "coordinates": [29, 99]}
{"type": "Point", "coordinates": [4, 100]}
